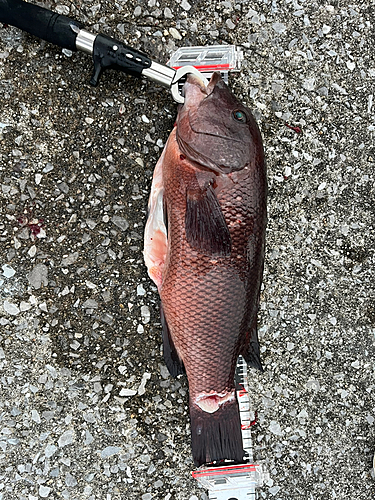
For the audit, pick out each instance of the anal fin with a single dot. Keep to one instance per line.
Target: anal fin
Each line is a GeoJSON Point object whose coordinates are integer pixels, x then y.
{"type": "Point", "coordinates": [251, 352]}
{"type": "Point", "coordinates": [171, 357]}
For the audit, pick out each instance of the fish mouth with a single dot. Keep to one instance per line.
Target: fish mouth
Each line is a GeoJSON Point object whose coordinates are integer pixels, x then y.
{"type": "Point", "coordinates": [195, 91]}
{"type": "Point", "coordinates": [211, 402]}
{"type": "Point", "coordinates": [193, 81]}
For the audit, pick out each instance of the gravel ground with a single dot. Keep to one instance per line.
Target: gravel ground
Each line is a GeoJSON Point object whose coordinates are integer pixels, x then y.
{"type": "Point", "coordinates": [87, 409]}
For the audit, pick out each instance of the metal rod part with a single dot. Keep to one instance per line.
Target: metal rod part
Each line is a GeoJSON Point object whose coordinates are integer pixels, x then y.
{"type": "Point", "coordinates": [160, 74]}
{"type": "Point", "coordinates": [85, 41]}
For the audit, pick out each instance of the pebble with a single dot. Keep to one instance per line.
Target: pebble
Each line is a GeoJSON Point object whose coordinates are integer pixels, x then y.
{"type": "Point", "coordinates": [142, 387]}
{"type": "Point", "coordinates": [110, 451]}
{"type": "Point", "coordinates": [69, 259]}
{"type": "Point", "coordinates": [141, 290]}
{"type": "Point", "coordinates": [168, 13]}
{"type": "Point", "coordinates": [164, 371]}
{"type": "Point", "coordinates": [32, 251]}
{"type": "Point", "coordinates": [8, 271]}
{"type": "Point", "coordinates": [50, 450]}
{"type": "Point", "coordinates": [62, 9]}
{"type": "Point", "coordinates": [350, 65]}
{"type": "Point", "coordinates": [43, 307]}
{"type": "Point", "coordinates": [185, 5]}
{"type": "Point", "coordinates": [309, 84]}
{"type": "Point", "coordinates": [11, 308]}
{"type": "Point", "coordinates": [66, 438]}
{"type": "Point", "coordinates": [35, 416]}
{"type": "Point", "coordinates": [90, 304]}
{"type": "Point", "coordinates": [175, 34]}
{"type": "Point", "coordinates": [70, 480]}
{"type": "Point", "coordinates": [47, 168]}
{"type": "Point", "coordinates": [89, 417]}
{"type": "Point", "coordinates": [44, 491]}
{"type": "Point", "coordinates": [38, 276]}
{"type": "Point", "coordinates": [88, 437]}
{"type": "Point", "coordinates": [145, 313]}
{"type": "Point", "coordinates": [127, 392]}
{"type": "Point", "coordinates": [274, 490]}
{"type": "Point", "coordinates": [279, 27]}
{"type": "Point", "coordinates": [90, 285]}
{"type": "Point", "coordinates": [275, 428]}
{"type": "Point", "coordinates": [120, 222]}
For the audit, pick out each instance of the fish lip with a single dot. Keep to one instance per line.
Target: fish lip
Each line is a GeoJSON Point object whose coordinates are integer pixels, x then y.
{"type": "Point", "coordinates": [193, 79]}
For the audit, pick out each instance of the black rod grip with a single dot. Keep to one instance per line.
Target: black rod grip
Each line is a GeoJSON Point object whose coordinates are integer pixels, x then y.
{"type": "Point", "coordinates": [40, 22]}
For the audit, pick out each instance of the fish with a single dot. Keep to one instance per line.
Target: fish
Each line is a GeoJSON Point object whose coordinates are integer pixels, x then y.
{"type": "Point", "coordinates": [204, 246]}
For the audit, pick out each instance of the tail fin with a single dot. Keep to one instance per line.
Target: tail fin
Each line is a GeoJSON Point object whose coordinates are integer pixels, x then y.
{"type": "Point", "coordinates": [216, 436]}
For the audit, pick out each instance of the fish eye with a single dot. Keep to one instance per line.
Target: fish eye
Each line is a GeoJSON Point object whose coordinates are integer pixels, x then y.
{"type": "Point", "coordinates": [239, 116]}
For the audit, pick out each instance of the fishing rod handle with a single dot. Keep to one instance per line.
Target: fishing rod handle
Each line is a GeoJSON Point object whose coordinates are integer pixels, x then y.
{"type": "Point", "coordinates": [40, 22]}
{"type": "Point", "coordinates": [107, 52]}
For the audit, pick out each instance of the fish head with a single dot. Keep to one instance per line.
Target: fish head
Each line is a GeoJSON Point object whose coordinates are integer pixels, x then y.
{"type": "Point", "coordinates": [214, 129]}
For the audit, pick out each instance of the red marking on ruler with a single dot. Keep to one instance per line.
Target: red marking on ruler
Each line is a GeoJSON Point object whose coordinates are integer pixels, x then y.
{"type": "Point", "coordinates": [209, 67]}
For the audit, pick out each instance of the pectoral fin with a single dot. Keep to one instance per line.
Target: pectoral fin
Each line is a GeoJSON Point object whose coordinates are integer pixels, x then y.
{"type": "Point", "coordinates": [206, 229]}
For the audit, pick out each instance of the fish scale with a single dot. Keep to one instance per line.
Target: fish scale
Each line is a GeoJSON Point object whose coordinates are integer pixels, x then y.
{"type": "Point", "coordinates": [202, 305]}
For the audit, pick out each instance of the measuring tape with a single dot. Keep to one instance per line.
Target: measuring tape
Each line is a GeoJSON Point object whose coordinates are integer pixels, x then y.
{"type": "Point", "coordinates": [236, 482]}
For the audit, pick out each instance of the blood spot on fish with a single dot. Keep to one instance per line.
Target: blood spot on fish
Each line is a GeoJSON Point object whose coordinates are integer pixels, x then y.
{"type": "Point", "coordinates": [182, 157]}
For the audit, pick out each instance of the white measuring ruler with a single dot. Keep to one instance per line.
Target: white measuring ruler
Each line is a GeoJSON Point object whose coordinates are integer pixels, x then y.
{"type": "Point", "coordinates": [236, 482]}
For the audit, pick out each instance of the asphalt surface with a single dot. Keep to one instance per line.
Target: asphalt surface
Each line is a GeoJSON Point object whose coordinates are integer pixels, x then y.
{"type": "Point", "coordinates": [87, 409]}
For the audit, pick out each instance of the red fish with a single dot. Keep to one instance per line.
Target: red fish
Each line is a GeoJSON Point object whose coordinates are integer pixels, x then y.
{"type": "Point", "coordinates": [204, 249]}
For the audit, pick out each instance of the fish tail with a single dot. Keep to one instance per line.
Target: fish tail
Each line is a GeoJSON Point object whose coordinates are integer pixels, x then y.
{"type": "Point", "coordinates": [216, 436]}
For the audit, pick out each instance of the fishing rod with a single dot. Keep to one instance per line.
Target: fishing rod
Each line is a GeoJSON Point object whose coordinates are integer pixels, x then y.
{"type": "Point", "coordinates": [107, 52]}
